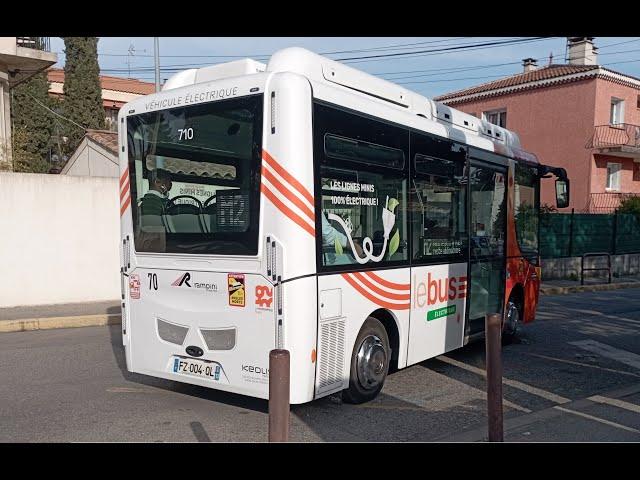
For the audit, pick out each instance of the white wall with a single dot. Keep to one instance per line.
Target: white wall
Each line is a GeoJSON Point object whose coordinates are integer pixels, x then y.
{"type": "Point", "coordinates": [59, 239]}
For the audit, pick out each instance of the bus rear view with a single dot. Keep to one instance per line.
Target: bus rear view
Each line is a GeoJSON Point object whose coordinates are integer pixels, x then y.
{"type": "Point", "coordinates": [190, 205]}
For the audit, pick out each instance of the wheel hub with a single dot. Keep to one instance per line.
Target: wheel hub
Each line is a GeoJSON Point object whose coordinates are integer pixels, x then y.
{"type": "Point", "coordinates": [513, 318]}
{"type": "Point", "coordinates": [371, 362]}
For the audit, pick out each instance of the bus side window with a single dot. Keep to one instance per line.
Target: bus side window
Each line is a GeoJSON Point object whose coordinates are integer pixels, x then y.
{"type": "Point", "coordinates": [363, 172]}
{"type": "Point", "coordinates": [438, 200]}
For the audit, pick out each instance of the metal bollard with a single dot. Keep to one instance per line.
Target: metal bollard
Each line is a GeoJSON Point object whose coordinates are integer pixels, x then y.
{"type": "Point", "coordinates": [279, 395]}
{"type": "Point", "coordinates": [493, 337]}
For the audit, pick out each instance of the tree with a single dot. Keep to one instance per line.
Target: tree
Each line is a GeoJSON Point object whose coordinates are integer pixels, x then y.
{"type": "Point", "coordinates": [25, 160]}
{"type": "Point", "coordinates": [82, 90]}
{"type": "Point", "coordinates": [630, 205]}
{"type": "Point", "coordinates": [32, 124]}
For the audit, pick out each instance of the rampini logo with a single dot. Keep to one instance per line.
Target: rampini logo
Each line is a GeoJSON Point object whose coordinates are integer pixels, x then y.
{"type": "Point", "coordinates": [184, 280]}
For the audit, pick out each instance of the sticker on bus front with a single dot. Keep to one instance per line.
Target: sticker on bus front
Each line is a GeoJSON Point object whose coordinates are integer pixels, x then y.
{"type": "Point", "coordinates": [236, 289]}
{"type": "Point", "coordinates": [134, 286]}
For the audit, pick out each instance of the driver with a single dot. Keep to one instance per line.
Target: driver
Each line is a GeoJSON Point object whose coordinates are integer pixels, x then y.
{"type": "Point", "coordinates": [156, 198]}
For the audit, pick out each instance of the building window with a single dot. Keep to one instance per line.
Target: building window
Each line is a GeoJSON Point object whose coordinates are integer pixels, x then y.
{"type": "Point", "coordinates": [617, 111]}
{"type": "Point", "coordinates": [638, 102]}
{"type": "Point", "coordinates": [613, 176]}
{"type": "Point", "coordinates": [111, 119]}
{"type": "Point", "coordinates": [497, 117]}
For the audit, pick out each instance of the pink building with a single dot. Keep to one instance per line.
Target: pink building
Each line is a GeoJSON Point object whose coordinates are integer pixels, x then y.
{"type": "Point", "coordinates": [579, 115]}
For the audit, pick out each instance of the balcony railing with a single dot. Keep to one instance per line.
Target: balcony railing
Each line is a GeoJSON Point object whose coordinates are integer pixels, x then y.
{"type": "Point", "coordinates": [615, 135]}
{"type": "Point", "coordinates": [37, 43]}
{"type": "Point", "coordinates": [606, 202]}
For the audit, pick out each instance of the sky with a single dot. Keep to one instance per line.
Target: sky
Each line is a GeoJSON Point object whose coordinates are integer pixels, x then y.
{"type": "Point", "coordinates": [427, 72]}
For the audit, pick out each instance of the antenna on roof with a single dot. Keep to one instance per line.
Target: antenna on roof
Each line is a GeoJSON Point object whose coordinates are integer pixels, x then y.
{"type": "Point", "coordinates": [130, 54]}
{"type": "Point", "coordinates": [550, 57]}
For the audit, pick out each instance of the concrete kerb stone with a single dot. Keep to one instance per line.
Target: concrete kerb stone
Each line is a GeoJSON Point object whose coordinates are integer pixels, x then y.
{"type": "Point", "coordinates": [587, 288]}
{"type": "Point", "coordinates": [26, 324]}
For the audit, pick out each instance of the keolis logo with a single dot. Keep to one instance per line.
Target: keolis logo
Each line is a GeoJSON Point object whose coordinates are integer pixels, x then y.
{"type": "Point", "coordinates": [434, 291]}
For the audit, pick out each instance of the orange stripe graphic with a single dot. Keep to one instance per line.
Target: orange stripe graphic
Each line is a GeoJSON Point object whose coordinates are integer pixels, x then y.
{"type": "Point", "coordinates": [377, 301]}
{"type": "Point", "coordinates": [126, 204]}
{"type": "Point", "coordinates": [125, 189]}
{"type": "Point", "coordinates": [387, 283]}
{"type": "Point", "coordinates": [287, 211]}
{"type": "Point", "coordinates": [124, 175]}
{"type": "Point", "coordinates": [288, 194]}
{"type": "Point", "coordinates": [287, 176]}
{"type": "Point", "coordinates": [379, 291]}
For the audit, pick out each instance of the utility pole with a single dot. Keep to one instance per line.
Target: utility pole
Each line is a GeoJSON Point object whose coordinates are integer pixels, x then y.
{"type": "Point", "coordinates": [156, 54]}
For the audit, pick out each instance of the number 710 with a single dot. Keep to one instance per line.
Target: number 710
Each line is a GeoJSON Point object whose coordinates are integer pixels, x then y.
{"type": "Point", "coordinates": [186, 133]}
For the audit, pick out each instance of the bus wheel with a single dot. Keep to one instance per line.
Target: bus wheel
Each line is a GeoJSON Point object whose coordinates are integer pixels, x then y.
{"type": "Point", "coordinates": [512, 321]}
{"type": "Point", "coordinates": [369, 363]}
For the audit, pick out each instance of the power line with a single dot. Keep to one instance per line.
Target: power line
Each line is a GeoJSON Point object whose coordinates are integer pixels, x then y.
{"type": "Point", "coordinates": [444, 71]}
{"type": "Point", "coordinates": [55, 113]}
{"type": "Point", "coordinates": [619, 43]}
{"type": "Point", "coordinates": [445, 49]}
{"type": "Point", "coordinates": [474, 46]}
{"type": "Point", "coordinates": [488, 77]}
{"type": "Point", "coordinates": [265, 55]}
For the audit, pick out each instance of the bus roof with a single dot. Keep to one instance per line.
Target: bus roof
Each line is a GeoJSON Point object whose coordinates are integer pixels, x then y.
{"type": "Point", "coordinates": [324, 70]}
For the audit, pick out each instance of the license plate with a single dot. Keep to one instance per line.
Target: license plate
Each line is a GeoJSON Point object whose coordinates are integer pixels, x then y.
{"type": "Point", "coordinates": [196, 368]}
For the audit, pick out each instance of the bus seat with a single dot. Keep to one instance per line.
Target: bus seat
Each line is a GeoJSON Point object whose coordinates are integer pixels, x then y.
{"type": "Point", "coordinates": [209, 215]}
{"type": "Point", "coordinates": [183, 218]}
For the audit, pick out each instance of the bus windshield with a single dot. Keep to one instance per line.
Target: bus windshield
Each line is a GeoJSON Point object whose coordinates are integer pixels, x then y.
{"type": "Point", "coordinates": [195, 177]}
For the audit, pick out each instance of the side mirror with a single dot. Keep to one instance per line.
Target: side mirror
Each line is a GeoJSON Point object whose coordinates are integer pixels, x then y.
{"type": "Point", "coordinates": [562, 193]}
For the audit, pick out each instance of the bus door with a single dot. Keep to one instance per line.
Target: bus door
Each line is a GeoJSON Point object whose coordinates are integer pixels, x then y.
{"type": "Point", "coordinates": [487, 244]}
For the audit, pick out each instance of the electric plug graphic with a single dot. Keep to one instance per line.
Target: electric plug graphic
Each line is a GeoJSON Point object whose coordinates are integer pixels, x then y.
{"type": "Point", "coordinates": [349, 224]}
{"type": "Point", "coordinates": [388, 217]}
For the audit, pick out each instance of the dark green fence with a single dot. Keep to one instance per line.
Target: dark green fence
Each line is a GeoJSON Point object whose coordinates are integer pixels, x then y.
{"type": "Point", "coordinates": [574, 234]}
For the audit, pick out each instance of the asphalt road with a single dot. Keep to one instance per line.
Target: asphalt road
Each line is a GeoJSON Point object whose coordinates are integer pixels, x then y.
{"type": "Point", "coordinates": [573, 376]}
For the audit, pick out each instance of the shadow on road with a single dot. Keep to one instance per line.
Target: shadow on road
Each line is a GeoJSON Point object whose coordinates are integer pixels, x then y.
{"type": "Point", "coordinates": [226, 398]}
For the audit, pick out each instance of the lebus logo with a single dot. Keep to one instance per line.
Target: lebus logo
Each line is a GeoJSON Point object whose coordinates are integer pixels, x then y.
{"type": "Point", "coordinates": [184, 280]}
{"type": "Point", "coordinates": [435, 291]}
{"type": "Point", "coordinates": [438, 291]}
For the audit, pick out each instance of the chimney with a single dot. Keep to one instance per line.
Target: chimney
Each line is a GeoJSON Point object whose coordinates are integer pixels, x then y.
{"type": "Point", "coordinates": [529, 64]}
{"type": "Point", "coordinates": [581, 51]}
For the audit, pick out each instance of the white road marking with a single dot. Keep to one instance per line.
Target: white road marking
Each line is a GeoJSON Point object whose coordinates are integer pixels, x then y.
{"type": "Point", "coordinates": [512, 383]}
{"type": "Point", "coordinates": [622, 356]}
{"type": "Point", "coordinates": [129, 390]}
{"type": "Point", "coordinates": [597, 419]}
{"type": "Point", "coordinates": [562, 360]}
{"type": "Point", "coordinates": [418, 407]}
{"type": "Point", "coordinates": [616, 403]}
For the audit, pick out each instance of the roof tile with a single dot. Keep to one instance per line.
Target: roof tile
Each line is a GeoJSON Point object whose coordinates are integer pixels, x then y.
{"type": "Point", "coordinates": [129, 85]}
{"type": "Point", "coordinates": [106, 138]}
{"type": "Point", "coordinates": [543, 73]}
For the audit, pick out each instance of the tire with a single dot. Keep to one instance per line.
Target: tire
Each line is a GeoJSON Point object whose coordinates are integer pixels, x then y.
{"type": "Point", "coordinates": [512, 322]}
{"type": "Point", "coordinates": [369, 363]}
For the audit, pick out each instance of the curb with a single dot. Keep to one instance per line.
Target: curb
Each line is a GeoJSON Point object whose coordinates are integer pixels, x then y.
{"type": "Point", "coordinates": [587, 288]}
{"type": "Point", "coordinates": [47, 323]}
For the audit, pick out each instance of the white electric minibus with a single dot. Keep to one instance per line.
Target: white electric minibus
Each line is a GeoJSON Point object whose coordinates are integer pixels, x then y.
{"type": "Point", "coordinates": [309, 206]}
